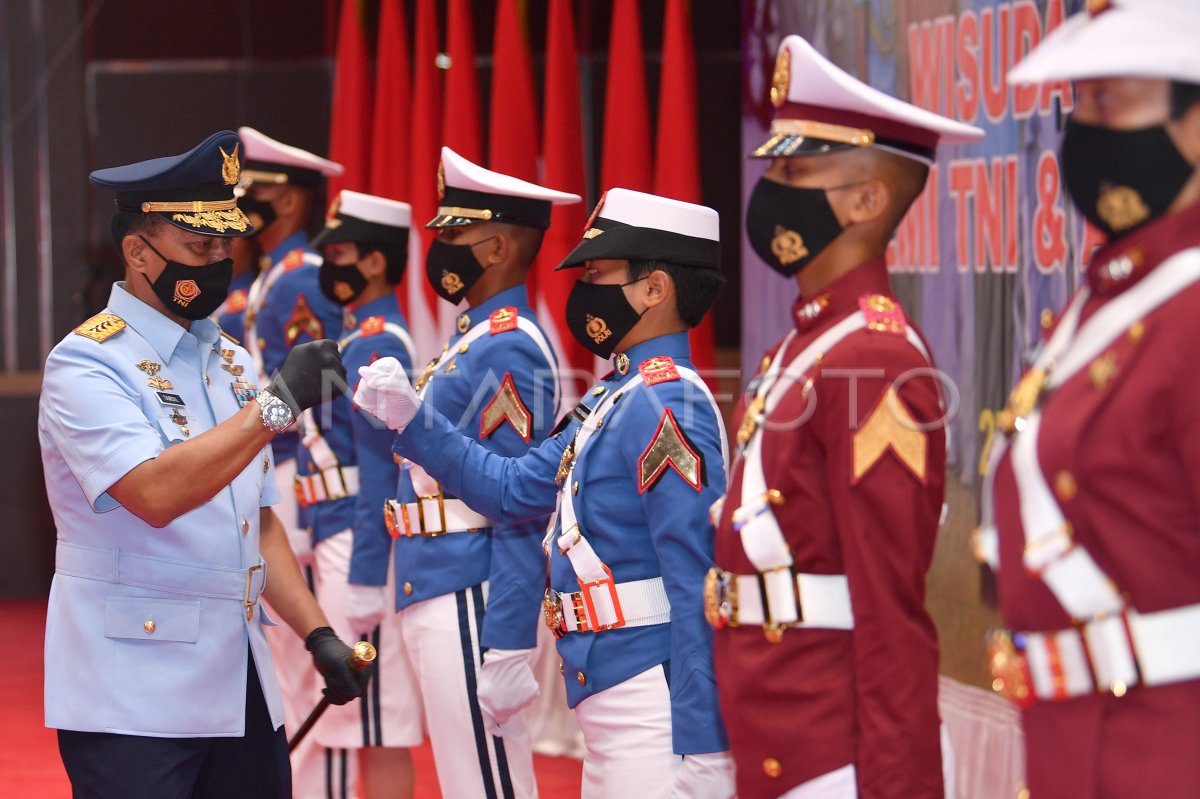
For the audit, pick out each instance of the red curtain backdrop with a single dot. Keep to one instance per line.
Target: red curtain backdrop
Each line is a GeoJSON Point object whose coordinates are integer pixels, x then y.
{"type": "Point", "coordinates": [350, 123]}
{"type": "Point", "coordinates": [461, 125]}
{"type": "Point", "coordinates": [677, 155]}
{"type": "Point", "coordinates": [562, 142]}
{"type": "Point", "coordinates": [625, 158]}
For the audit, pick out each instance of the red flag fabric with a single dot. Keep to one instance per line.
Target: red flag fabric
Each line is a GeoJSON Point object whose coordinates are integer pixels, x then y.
{"type": "Point", "coordinates": [563, 161]}
{"type": "Point", "coordinates": [424, 157]}
{"type": "Point", "coordinates": [677, 156]}
{"type": "Point", "coordinates": [350, 117]}
{"type": "Point", "coordinates": [625, 157]}
{"type": "Point", "coordinates": [390, 140]}
{"type": "Point", "coordinates": [461, 124]}
{"type": "Point", "coordinates": [512, 129]}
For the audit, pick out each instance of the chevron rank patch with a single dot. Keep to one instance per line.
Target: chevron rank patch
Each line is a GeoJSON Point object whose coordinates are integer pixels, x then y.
{"type": "Point", "coordinates": [302, 321]}
{"type": "Point", "coordinates": [506, 406]}
{"type": "Point", "coordinates": [502, 320]}
{"type": "Point", "coordinates": [669, 448]}
{"type": "Point", "coordinates": [101, 327]}
{"type": "Point", "coordinates": [890, 427]}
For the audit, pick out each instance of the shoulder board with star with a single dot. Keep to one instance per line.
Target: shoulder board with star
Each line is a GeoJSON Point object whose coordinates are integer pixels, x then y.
{"type": "Point", "coordinates": [884, 315]}
{"type": "Point", "coordinates": [293, 259]}
{"type": "Point", "coordinates": [669, 449]}
{"type": "Point", "coordinates": [659, 369]}
{"type": "Point", "coordinates": [503, 320]}
{"type": "Point", "coordinates": [101, 327]}
{"type": "Point", "coordinates": [372, 325]}
{"type": "Point", "coordinates": [237, 301]}
{"type": "Point", "coordinates": [231, 338]}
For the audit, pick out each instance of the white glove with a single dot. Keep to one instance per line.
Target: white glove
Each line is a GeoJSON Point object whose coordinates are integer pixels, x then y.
{"type": "Point", "coordinates": [506, 686]}
{"type": "Point", "coordinates": [385, 393]}
{"type": "Point", "coordinates": [365, 607]}
{"type": "Point", "coordinates": [707, 776]}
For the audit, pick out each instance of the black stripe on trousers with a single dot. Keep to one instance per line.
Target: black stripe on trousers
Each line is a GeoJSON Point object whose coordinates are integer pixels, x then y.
{"type": "Point", "coordinates": [370, 708]}
{"type": "Point", "coordinates": [469, 666]}
{"type": "Point", "coordinates": [340, 755]}
{"type": "Point", "coordinates": [501, 757]}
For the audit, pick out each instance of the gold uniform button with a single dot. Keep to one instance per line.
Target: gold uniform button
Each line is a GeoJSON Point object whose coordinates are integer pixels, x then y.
{"type": "Point", "coordinates": [408, 589]}
{"type": "Point", "coordinates": [582, 679]}
{"type": "Point", "coordinates": [1065, 487]}
{"type": "Point", "coordinates": [772, 767]}
{"type": "Point", "coordinates": [1022, 793]}
{"type": "Point", "coordinates": [149, 626]}
{"type": "Point", "coordinates": [560, 667]}
{"type": "Point", "coordinates": [575, 488]}
{"type": "Point", "coordinates": [245, 526]}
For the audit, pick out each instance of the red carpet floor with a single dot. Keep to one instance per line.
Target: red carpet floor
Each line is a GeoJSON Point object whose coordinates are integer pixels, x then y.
{"type": "Point", "coordinates": [29, 763]}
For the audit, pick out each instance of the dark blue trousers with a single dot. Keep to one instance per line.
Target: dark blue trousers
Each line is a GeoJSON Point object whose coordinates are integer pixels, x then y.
{"type": "Point", "coordinates": [105, 765]}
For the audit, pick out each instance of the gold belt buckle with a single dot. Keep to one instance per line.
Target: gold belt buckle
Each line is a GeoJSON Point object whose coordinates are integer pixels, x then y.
{"type": "Point", "coordinates": [720, 599]}
{"type": "Point", "coordinates": [553, 612]}
{"type": "Point", "coordinates": [1009, 668]}
{"type": "Point", "coordinates": [246, 601]}
{"type": "Point", "coordinates": [441, 503]}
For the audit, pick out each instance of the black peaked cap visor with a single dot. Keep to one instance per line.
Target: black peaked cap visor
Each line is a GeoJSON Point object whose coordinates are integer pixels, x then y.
{"type": "Point", "coordinates": [359, 231]}
{"type": "Point", "coordinates": [627, 242]}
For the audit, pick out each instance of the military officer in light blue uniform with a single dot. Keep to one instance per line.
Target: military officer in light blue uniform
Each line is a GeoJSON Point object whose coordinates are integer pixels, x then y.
{"type": "Point", "coordinates": [496, 379]}
{"type": "Point", "coordinates": [346, 473]}
{"type": "Point", "coordinates": [285, 185]}
{"type": "Point", "coordinates": [154, 434]}
{"type": "Point", "coordinates": [633, 471]}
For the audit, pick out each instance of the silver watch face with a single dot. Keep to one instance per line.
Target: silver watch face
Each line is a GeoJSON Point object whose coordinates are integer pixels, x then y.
{"type": "Point", "coordinates": [276, 414]}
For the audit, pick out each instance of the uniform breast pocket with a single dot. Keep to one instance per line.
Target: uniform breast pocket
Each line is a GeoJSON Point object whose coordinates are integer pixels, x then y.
{"type": "Point", "coordinates": [152, 619]}
{"type": "Point", "coordinates": [174, 426]}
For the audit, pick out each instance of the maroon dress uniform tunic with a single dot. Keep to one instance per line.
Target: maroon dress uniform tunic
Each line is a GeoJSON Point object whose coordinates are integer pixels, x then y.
{"type": "Point", "coordinates": [1120, 448]}
{"type": "Point", "coordinates": [821, 699]}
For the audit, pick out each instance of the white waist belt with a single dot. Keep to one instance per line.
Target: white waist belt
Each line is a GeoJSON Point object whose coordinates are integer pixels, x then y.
{"type": "Point", "coordinates": [335, 482]}
{"type": "Point", "coordinates": [638, 603]}
{"type": "Point", "coordinates": [433, 515]}
{"type": "Point", "coordinates": [779, 599]}
{"type": "Point", "coordinates": [1114, 653]}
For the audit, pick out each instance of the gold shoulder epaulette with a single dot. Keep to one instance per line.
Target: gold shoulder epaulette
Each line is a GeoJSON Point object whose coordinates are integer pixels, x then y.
{"type": "Point", "coordinates": [231, 338]}
{"type": "Point", "coordinates": [101, 327]}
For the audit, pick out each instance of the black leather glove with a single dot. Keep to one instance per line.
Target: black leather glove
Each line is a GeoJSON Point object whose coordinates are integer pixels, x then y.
{"type": "Point", "coordinates": [312, 373]}
{"type": "Point", "coordinates": [332, 659]}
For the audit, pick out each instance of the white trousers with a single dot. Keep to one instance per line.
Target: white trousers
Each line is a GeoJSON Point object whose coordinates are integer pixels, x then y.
{"type": "Point", "coordinates": [317, 772]}
{"type": "Point", "coordinates": [441, 639]}
{"type": "Point", "coordinates": [390, 712]}
{"type": "Point", "coordinates": [627, 733]}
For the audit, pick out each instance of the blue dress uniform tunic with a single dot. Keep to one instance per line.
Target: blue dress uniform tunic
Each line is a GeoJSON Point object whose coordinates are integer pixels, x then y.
{"type": "Point", "coordinates": [351, 436]}
{"type": "Point", "coordinates": [231, 316]}
{"type": "Point", "coordinates": [510, 552]}
{"type": "Point", "coordinates": [148, 627]}
{"type": "Point", "coordinates": [640, 528]}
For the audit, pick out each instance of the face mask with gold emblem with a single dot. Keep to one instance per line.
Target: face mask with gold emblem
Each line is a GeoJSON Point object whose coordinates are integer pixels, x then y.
{"type": "Point", "coordinates": [191, 292]}
{"type": "Point", "coordinates": [788, 225]}
{"type": "Point", "coordinates": [600, 316]}
{"type": "Point", "coordinates": [1121, 179]}
{"type": "Point", "coordinates": [341, 283]}
{"type": "Point", "coordinates": [453, 268]}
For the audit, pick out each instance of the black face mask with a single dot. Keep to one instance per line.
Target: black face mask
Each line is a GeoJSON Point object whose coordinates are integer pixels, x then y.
{"type": "Point", "coordinates": [452, 268]}
{"type": "Point", "coordinates": [192, 292]}
{"type": "Point", "coordinates": [789, 226]}
{"type": "Point", "coordinates": [260, 213]}
{"type": "Point", "coordinates": [341, 283]}
{"type": "Point", "coordinates": [1121, 179]}
{"type": "Point", "coordinates": [599, 316]}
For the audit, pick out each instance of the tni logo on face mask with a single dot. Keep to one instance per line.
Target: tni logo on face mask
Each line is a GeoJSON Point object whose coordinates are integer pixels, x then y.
{"type": "Point", "coordinates": [452, 283]}
{"type": "Point", "coordinates": [185, 292]}
{"type": "Point", "coordinates": [788, 246]}
{"type": "Point", "coordinates": [1121, 207]}
{"type": "Point", "coordinates": [597, 329]}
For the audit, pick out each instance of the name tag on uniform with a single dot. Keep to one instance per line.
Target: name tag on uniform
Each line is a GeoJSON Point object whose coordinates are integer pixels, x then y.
{"type": "Point", "coordinates": [243, 392]}
{"type": "Point", "coordinates": [174, 400]}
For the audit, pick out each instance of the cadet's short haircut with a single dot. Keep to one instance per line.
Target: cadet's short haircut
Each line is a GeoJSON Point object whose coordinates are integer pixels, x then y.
{"type": "Point", "coordinates": [1183, 97]}
{"type": "Point", "coordinates": [395, 255]}
{"type": "Point", "coordinates": [695, 289]}
{"type": "Point", "coordinates": [126, 223]}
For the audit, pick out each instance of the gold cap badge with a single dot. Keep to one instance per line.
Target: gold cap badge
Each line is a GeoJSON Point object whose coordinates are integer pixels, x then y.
{"type": "Point", "coordinates": [781, 78]}
{"type": "Point", "coordinates": [231, 170]}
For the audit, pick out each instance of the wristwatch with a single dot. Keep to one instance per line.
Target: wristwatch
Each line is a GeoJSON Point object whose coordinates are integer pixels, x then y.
{"type": "Point", "coordinates": [276, 414]}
